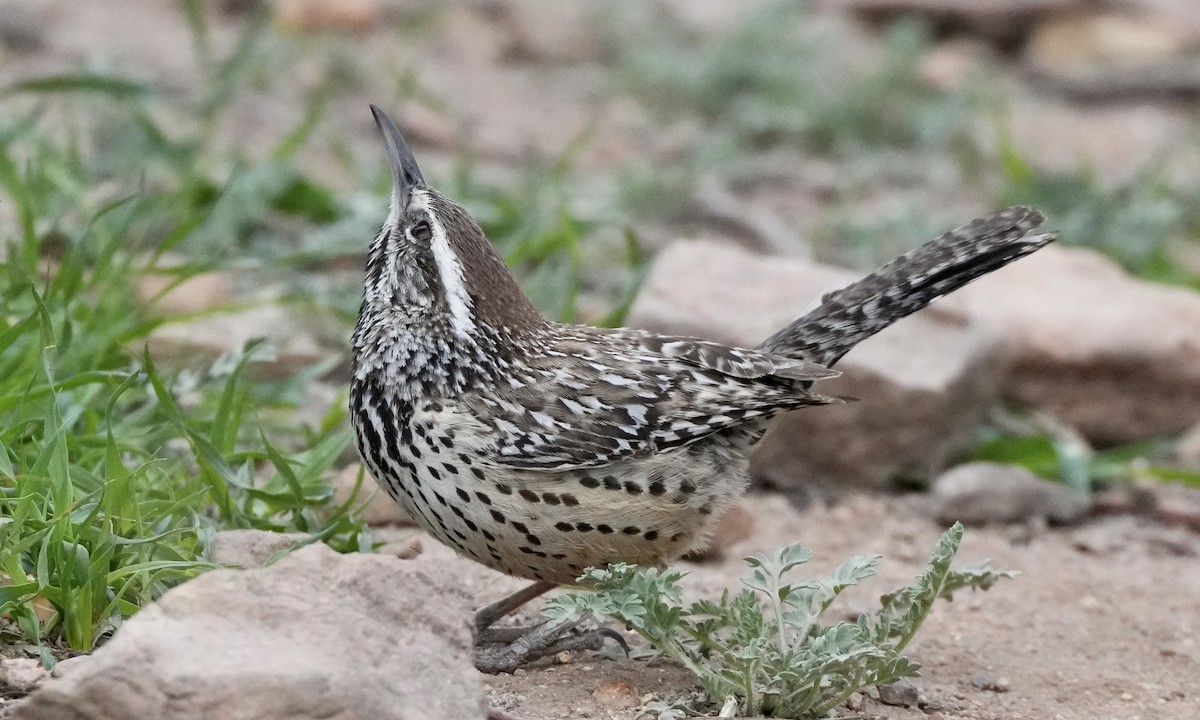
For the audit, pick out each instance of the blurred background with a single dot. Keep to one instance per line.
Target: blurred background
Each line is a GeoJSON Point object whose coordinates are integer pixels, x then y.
{"type": "Point", "coordinates": [585, 136]}
{"type": "Point", "coordinates": [180, 180]}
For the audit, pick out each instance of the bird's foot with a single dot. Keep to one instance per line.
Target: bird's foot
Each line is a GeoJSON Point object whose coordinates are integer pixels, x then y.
{"type": "Point", "coordinates": [501, 650]}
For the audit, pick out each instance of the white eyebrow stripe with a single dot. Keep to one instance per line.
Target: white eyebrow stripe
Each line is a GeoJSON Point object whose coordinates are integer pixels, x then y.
{"type": "Point", "coordinates": [449, 268]}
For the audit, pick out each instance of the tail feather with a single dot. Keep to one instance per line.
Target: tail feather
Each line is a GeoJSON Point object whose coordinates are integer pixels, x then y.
{"type": "Point", "coordinates": [850, 315]}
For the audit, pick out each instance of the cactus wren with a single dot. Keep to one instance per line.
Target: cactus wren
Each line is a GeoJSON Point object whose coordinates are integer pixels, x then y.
{"type": "Point", "coordinates": [539, 449]}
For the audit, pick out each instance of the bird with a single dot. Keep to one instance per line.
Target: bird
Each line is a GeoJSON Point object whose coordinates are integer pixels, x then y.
{"type": "Point", "coordinates": [539, 448]}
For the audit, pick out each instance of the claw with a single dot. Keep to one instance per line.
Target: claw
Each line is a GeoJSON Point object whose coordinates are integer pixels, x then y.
{"type": "Point", "coordinates": [614, 636]}
{"type": "Point", "coordinates": [494, 655]}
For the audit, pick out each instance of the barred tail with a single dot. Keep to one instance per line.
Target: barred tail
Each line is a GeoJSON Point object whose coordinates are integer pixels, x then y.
{"type": "Point", "coordinates": [850, 315]}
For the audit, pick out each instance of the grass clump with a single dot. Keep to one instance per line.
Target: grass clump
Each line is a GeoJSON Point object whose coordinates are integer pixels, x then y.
{"type": "Point", "coordinates": [766, 645]}
{"type": "Point", "coordinates": [113, 475]}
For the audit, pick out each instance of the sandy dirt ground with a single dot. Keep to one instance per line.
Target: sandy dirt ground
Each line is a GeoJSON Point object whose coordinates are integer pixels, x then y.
{"type": "Point", "coordinates": [1101, 623]}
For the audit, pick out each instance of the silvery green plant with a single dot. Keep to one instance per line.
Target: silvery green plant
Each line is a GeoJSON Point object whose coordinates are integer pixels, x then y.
{"type": "Point", "coordinates": [766, 645]}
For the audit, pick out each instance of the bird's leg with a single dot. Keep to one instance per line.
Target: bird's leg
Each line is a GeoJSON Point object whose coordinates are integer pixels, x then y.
{"type": "Point", "coordinates": [487, 615]}
{"type": "Point", "coordinates": [500, 650]}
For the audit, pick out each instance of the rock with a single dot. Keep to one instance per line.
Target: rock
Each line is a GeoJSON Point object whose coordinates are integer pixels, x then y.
{"type": "Point", "coordinates": [19, 675]}
{"type": "Point", "coordinates": [901, 693]}
{"type": "Point", "coordinates": [199, 292]}
{"type": "Point", "coordinates": [1187, 450]}
{"type": "Point", "coordinates": [1116, 53]}
{"type": "Point", "coordinates": [406, 548]}
{"type": "Point", "coordinates": [1114, 357]}
{"type": "Point", "coordinates": [979, 493]}
{"type": "Point", "coordinates": [616, 695]}
{"type": "Point", "coordinates": [991, 683]}
{"type": "Point", "coordinates": [951, 65]}
{"type": "Point", "coordinates": [562, 32]}
{"type": "Point", "coordinates": [1113, 140]}
{"type": "Point", "coordinates": [1105, 36]}
{"type": "Point", "coordinates": [925, 384]}
{"type": "Point", "coordinates": [290, 337]}
{"type": "Point", "coordinates": [374, 506]}
{"type": "Point", "coordinates": [1004, 21]}
{"type": "Point", "coordinates": [324, 15]}
{"type": "Point", "coordinates": [250, 548]}
{"type": "Point", "coordinates": [1178, 505]}
{"type": "Point", "coordinates": [316, 635]}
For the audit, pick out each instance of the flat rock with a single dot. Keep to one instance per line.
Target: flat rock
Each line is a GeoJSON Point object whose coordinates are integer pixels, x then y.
{"type": "Point", "coordinates": [924, 384]}
{"type": "Point", "coordinates": [1001, 20]}
{"type": "Point", "coordinates": [316, 635]}
{"type": "Point", "coordinates": [20, 675]}
{"type": "Point", "coordinates": [1115, 357]}
{"type": "Point", "coordinates": [980, 493]}
{"type": "Point", "coordinates": [1187, 451]}
{"type": "Point", "coordinates": [294, 344]}
{"type": "Point", "coordinates": [566, 31]}
{"type": "Point", "coordinates": [250, 548]}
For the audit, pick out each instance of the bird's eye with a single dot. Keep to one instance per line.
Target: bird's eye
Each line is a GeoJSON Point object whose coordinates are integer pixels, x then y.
{"type": "Point", "coordinates": [421, 232]}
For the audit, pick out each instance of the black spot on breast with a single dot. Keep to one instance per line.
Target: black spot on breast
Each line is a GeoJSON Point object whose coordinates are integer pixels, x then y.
{"type": "Point", "coordinates": [657, 487]}
{"type": "Point", "coordinates": [483, 498]}
{"type": "Point", "coordinates": [529, 495]}
{"type": "Point", "coordinates": [569, 500]}
{"type": "Point", "coordinates": [564, 526]}
{"type": "Point", "coordinates": [520, 527]}
{"type": "Point", "coordinates": [604, 529]}
{"type": "Point", "coordinates": [583, 527]}
{"type": "Point", "coordinates": [631, 530]}
{"type": "Point", "coordinates": [464, 458]}
{"type": "Point", "coordinates": [504, 489]}
{"type": "Point", "coordinates": [466, 496]}
{"type": "Point", "coordinates": [452, 469]}
{"type": "Point", "coordinates": [589, 482]}
{"type": "Point", "coordinates": [530, 551]}
{"type": "Point", "coordinates": [498, 516]}
{"type": "Point", "coordinates": [651, 535]}
{"type": "Point", "coordinates": [550, 498]}
{"type": "Point", "coordinates": [687, 487]}
{"type": "Point", "coordinates": [487, 535]}
{"type": "Point", "coordinates": [433, 473]}
{"type": "Point", "coordinates": [478, 473]}
{"type": "Point", "coordinates": [632, 488]}
{"type": "Point", "coordinates": [612, 483]}
{"type": "Point", "coordinates": [470, 525]}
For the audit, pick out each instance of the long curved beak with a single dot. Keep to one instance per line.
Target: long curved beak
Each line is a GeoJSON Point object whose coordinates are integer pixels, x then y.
{"type": "Point", "coordinates": [405, 173]}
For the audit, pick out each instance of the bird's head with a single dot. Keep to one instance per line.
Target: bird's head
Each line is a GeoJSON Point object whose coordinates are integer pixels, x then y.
{"type": "Point", "coordinates": [434, 283]}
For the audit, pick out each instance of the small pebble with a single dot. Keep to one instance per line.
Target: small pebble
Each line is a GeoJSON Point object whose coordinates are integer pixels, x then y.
{"type": "Point", "coordinates": [901, 693]}
{"type": "Point", "coordinates": [991, 683]}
